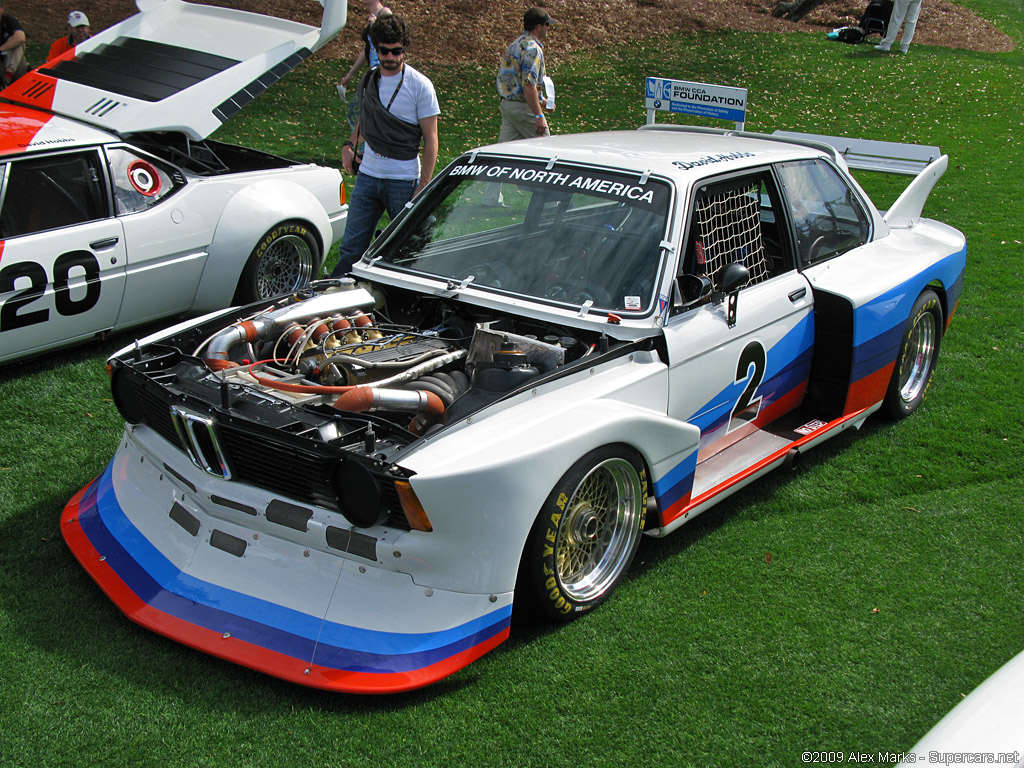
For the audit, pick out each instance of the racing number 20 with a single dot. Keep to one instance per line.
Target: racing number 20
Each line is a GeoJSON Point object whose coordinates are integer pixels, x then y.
{"type": "Point", "coordinates": [17, 312]}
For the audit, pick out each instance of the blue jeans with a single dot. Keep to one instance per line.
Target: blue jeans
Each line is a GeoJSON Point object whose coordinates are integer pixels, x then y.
{"type": "Point", "coordinates": [370, 198]}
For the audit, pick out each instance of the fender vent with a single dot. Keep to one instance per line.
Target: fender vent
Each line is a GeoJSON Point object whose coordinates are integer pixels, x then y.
{"type": "Point", "coordinates": [179, 477]}
{"type": "Point", "coordinates": [354, 543]}
{"type": "Point", "coordinates": [289, 515]}
{"type": "Point", "coordinates": [36, 89]}
{"type": "Point", "coordinates": [185, 519]}
{"type": "Point", "coordinates": [230, 544]}
{"type": "Point", "coordinates": [237, 506]}
{"type": "Point", "coordinates": [103, 107]}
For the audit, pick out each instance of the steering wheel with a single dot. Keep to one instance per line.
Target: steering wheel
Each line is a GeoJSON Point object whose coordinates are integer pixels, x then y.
{"type": "Point", "coordinates": [833, 217]}
{"type": "Point", "coordinates": [578, 293]}
{"type": "Point", "coordinates": [826, 234]}
{"type": "Point", "coordinates": [491, 273]}
{"type": "Point", "coordinates": [819, 248]}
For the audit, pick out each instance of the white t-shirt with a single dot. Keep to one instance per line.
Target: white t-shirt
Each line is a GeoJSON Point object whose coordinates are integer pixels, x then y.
{"type": "Point", "coordinates": [415, 100]}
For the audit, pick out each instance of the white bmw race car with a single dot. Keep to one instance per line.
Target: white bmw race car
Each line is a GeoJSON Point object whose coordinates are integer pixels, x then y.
{"type": "Point", "coordinates": [562, 344]}
{"type": "Point", "coordinates": [115, 209]}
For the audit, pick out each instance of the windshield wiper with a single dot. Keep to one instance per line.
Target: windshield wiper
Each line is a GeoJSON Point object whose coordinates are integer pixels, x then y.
{"type": "Point", "coordinates": [585, 308]}
{"type": "Point", "coordinates": [452, 287]}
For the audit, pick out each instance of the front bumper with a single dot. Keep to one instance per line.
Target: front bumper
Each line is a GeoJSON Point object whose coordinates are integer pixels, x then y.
{"type": "Point", "coordinates": [267, 602]}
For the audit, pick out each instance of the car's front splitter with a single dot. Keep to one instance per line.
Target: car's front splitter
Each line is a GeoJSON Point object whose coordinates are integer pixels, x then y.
{"type": "Point", "coordinates": [272, 637]}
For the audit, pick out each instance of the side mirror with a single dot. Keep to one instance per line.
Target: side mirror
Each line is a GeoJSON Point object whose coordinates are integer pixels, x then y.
{"type": "Point", "coordinates": [690, 290]}
{"type": "Point", "coordinates": [731, 278]}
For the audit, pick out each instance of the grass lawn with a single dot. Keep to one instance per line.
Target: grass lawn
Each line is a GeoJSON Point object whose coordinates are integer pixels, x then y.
{"type": "Point", "coordinates": [894, 584]}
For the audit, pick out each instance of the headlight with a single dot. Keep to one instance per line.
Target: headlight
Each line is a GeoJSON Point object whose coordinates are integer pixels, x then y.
{"type": "Point", "coordinates": [359, 495]}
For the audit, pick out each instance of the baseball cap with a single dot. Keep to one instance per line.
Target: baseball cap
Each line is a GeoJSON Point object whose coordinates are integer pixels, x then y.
{"type": "Point", "coordinates": [536, 16]}
{"type": "Point", "coordinates": [78, 19]}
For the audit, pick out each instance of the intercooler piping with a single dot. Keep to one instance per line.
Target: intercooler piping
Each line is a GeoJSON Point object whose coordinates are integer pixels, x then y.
{"type": "Point", "coordinates": [426, 396]}
{"type": "Point", "coordinates": [220, 344]}
{"type": "Point", "coordinates": [223, 341]}
{"type": "Point", "coordinates": [363, 399]}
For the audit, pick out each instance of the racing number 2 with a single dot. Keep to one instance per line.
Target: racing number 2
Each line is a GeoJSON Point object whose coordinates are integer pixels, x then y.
{"type": "Point", "coordinates": [750, 368]}
{"type": "Point", "coordinates": [16, 311]}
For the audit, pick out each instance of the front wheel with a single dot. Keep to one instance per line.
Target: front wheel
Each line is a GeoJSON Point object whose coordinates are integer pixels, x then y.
{"type": "Point", "coordinates": [586, 534]}
{"type": "Point", "coordinates": [919, 351]}
{"type": "Point", "coordinates": [284, 260]}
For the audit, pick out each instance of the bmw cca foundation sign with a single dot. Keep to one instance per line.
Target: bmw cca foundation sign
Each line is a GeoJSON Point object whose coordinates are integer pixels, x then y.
{"type": "Point", "coordinates": [681, 96]}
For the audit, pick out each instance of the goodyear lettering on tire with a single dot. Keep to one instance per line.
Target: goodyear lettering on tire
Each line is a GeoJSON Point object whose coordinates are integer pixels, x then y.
{"type": "Point", "coordinates": [271, 237]}
{"type": "Point", "coordinates": [547, 584]}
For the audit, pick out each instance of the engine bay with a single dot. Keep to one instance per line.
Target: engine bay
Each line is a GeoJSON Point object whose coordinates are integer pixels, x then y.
{"type": "Point", "coordinates": [352, 366]}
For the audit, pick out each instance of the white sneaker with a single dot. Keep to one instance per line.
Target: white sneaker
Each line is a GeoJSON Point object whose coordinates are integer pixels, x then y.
{"type": "Point", "coordinates": [882, 48]}
{"type": "Point", "coordinates": [904, 50]}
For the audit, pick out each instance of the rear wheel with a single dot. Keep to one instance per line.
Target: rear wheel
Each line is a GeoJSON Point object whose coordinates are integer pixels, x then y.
{"type": "Point", "coordinates": [284, 260]}
{"type": "Point", "coordinates": [587, 533]}
{"type": "Point", "coordinates": [919, 351]}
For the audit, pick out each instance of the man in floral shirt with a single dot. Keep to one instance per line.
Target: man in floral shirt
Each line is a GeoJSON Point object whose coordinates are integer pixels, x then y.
{"type": "Point", "coordinates": [520, 79]}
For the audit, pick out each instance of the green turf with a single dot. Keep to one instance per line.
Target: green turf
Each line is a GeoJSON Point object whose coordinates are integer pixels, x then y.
{"type": "Point", "coordinates": [894, 583]}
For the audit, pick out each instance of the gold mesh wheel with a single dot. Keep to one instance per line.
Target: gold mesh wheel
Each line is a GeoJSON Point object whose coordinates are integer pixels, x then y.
{"type": "Point", "coordinates": [587, 532]}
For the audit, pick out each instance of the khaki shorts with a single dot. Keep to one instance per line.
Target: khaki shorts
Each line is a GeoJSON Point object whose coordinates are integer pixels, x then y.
{"type": "Point", "coordinates": [517, 121]}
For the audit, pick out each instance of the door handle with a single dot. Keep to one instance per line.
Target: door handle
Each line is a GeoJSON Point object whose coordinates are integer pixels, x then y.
{"type": "Point", "coordinates": [100, 245]}
{"type": "Point", "coordinates": [798, 294]}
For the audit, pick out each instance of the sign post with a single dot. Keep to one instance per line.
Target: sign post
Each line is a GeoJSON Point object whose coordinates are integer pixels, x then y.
{"type": "Point", "coordinates": [681, 96]}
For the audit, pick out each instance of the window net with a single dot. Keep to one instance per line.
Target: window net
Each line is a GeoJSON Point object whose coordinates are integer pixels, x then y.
{"type": "Point", "coordinates": [728, 229]}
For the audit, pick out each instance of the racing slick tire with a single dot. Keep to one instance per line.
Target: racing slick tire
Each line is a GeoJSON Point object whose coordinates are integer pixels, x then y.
{"type": "Point", "coordinates": [586, 534]}
{"type": "Point", "coordinates": [286, 259]}
{"type": "Point", "coordinates": [915, 363]}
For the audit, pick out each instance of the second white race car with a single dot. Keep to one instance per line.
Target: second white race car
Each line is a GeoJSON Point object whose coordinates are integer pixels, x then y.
{"type": "Point", "coordinates": [115, 207]}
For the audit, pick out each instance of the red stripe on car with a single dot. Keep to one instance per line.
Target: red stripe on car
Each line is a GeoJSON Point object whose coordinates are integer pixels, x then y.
{"type": "Point", "coordinates": [19, 126]}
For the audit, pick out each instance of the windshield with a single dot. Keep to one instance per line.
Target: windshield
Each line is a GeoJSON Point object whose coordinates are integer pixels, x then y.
{"type": "Point", "coordinates": [550, 231]}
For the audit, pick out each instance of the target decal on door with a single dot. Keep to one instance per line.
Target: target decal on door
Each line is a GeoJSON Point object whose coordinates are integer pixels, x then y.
{"type": "Point", "coordinates": [144, 178]}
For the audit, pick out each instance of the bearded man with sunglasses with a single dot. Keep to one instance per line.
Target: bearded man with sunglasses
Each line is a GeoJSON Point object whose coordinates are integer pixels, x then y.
{"type": "Point", "coordinates": [398, 111]}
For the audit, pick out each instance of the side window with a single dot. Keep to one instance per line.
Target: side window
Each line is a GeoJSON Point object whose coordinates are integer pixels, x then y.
{"type": "Point", "coordinates": [737, 220]}
{"type": "Point", "coordinates": [140, 182]}
{"type": "Point", "coordinates": [827, 216]}
{"type": "Point", "coordinates": [52, 191]}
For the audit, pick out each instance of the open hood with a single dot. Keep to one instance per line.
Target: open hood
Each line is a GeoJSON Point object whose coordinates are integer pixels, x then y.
{"type": "Point", "coordinates": [174, 66]}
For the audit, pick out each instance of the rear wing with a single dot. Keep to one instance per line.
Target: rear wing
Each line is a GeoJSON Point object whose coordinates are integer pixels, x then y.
{"type": "Point", "coordinates": [174, 66]}
{"type": "Point", "coordinates": [870, 155]}
{"type": "Point", "coordinates": [925, 163]}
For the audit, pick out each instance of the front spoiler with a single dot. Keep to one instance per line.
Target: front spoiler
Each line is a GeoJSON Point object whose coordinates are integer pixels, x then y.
{"type": "Point", "coordinates": [316, 651]}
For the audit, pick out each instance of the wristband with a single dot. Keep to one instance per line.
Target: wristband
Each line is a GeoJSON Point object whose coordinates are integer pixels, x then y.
{"type": "Point", "coordinates": [537, 117]}
{"type": "Point", "coordinates": [347, 144]}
